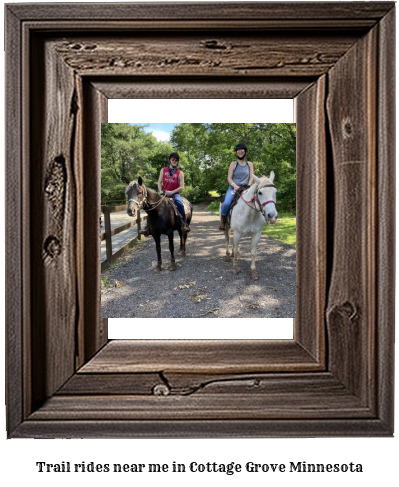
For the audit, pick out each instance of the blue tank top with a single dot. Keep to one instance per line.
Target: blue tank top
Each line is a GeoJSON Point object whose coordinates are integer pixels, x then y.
{"type": "Point", "coordinates": [241, 174]}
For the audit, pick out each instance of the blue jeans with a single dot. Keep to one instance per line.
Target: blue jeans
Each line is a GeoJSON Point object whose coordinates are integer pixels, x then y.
{"type": "Point", "coordinates": [179, 203]}
{"type": "Point", "coordinates": [228, 199]}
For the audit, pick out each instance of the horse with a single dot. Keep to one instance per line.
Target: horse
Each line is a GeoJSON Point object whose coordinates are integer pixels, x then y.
{"type": "Point", "coordinates": [254, 206]}
{"type": "Point", "coordinates": [161, 217]}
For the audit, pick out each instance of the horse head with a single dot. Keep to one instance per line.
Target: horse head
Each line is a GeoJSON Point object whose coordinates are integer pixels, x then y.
{"type": "Point", "coordinates": [136, 193]}
{"type": "Point", "coordinates": [266, 197]}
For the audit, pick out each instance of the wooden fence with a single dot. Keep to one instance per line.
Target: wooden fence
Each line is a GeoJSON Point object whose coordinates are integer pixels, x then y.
{"type": "Point", "coordinates": [109, 233]}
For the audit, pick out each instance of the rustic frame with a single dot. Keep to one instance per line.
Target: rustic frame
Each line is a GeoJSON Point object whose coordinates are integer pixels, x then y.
{"type": "Point", "coordinates": [64, 379]}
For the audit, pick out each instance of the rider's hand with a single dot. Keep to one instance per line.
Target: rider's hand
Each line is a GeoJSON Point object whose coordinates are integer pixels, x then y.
{"type": "Point", "coordinates": [236, 187]}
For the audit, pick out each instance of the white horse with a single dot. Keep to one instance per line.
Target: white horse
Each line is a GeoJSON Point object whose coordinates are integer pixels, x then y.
{"type": "Point", "coordinates": [255, 206]}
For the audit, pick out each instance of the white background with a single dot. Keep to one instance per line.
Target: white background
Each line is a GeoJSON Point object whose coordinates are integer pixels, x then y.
{"type": "Point", "coordinates": [378, 455]}
{"type": "Point", "coordinates": [201, 111]}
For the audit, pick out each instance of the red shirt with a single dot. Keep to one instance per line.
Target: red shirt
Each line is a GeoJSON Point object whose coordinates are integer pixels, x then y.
{"type": "Point", "coordinates": [170, 183]}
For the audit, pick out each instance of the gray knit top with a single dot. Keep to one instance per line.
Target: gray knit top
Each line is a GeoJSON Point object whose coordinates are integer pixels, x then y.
{"type": "Point", "coordinates": [241, 174]}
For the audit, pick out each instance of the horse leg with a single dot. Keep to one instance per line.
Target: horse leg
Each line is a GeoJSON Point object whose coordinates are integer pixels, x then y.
{"type": "Point", "coordinates": [157, 239]}
{"type": "Point", "coordinates": [236, 240]}
{"type": "Point", "coordinates": [173, 265]}
{"type": "Point", "coordinates": [254, 242]}
{"type": "Point", "coordinates": [227, 236]}
{"type": "Point", "coordinates": [183, 238]}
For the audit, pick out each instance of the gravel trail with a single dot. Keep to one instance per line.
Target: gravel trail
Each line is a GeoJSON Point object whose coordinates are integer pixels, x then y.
{"type": "Point", "coordinates": [203, 284]}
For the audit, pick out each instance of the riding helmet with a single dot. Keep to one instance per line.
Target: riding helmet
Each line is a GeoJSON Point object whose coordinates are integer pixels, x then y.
{"type": "Point", "coordinates": [175, 155]}
{"type": "Point", "coordinates": [240, 146]}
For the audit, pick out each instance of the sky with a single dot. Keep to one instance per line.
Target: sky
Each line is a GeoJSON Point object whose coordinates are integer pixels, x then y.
{"type": "Point", "coordinates": [161, 131]}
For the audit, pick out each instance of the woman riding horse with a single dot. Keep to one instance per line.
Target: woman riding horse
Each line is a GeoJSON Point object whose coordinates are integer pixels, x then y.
{"type": "Point", "coordinates": [171, 182]}
{"type": "Point", "coordinates": [240, 175]}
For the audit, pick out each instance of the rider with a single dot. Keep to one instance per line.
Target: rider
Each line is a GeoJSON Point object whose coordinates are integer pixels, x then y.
{"type": "Point", "coordinates": [171, 182]}
{"type": "Point", "coordinates": [241, 174]}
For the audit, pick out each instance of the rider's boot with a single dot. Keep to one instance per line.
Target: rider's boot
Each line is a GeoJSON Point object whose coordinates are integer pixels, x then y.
{"type": "Point", "coordinates": [185, 228]}
{"type": "Point", "coordinates": [223, 220]}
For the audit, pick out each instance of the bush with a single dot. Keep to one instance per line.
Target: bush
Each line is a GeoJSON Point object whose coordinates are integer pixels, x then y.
{"type": "Point", "coordinates": [195, 194]}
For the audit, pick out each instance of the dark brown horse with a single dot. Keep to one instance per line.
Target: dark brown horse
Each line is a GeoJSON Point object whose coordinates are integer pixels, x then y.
{"type": "Point", "coordinates": [161, 217]}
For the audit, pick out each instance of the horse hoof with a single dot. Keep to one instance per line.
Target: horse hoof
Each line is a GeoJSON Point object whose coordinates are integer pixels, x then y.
{"type": "Point", "coordinates": [173, 267]}
{"type": "Point", "coordinates": [182, 252]}
{"type": "Point", "coordinates": [254, 276]}
{"type": "Point", "coordinates": [227, 258]}
{"type": "Point", "coordinates": [158, 268]}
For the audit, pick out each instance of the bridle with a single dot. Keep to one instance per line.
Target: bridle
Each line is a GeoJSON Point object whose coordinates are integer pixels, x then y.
{"type": "Point", "coordinates": [149, 206]}
{"type": "Point", "coordinates": [262, 205]}
{"type": "Point", "coordinates": [255, 200]}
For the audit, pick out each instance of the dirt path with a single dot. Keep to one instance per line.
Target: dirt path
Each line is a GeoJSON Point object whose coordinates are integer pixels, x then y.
{"type": "Point", "coordinates": [204, 284]}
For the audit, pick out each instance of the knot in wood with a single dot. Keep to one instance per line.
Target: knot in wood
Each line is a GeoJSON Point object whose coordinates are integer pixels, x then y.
{"type": "Point", "coordinates": [161, 390]}
{"type": "Point", "coordinates": [348, 128]}
{"type": "Point", "coordinates": [52, 246]}
{"type": "Point", "coordinates": [213, 44]}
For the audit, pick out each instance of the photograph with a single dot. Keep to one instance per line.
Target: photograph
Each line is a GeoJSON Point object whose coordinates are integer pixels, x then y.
{"type": "Point", "coordinates": [201, 219]}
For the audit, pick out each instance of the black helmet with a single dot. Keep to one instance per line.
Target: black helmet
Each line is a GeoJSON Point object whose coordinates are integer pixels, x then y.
{"type": "Point", "coordinates": [240, 146]}
{"type": "Point", "coordinates": [175, 155]}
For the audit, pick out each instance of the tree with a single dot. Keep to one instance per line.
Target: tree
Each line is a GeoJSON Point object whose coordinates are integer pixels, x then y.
{"type": "Point", "coordinates": [127, 152]}
{"type": "Point", "coordinates": [209, 150]}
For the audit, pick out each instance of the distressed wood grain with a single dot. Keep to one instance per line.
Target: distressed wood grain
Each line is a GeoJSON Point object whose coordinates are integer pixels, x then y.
{"type": "Point", "coordinates": [385, 246]}
{"type": "Point", "coordinates": [200, 356]}
{"type": "Point", "coordinates": [53, 197]}
{"type": "Point", "coordinates": [311, 217]}
{"type": "Point", "coordinates": [246, 56]}
{"type": "Point", "coordinates": [360, 14]}
{"type": "Point", "coordinates": [351, 108]}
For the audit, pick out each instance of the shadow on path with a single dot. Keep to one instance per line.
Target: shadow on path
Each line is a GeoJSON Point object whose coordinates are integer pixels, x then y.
{"type": "Point", "coordinates": [204, 284]}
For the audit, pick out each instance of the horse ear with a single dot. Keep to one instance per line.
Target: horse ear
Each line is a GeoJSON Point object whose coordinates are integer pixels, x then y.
{"type": "Point", "coordinates": [140, 181]}
{"type": "Point", "coordinates": [271, 177]}
{"type": "Point", "coordinates": [256, 179]}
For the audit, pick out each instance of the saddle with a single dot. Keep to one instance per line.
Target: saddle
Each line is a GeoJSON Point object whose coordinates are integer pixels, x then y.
{"type": "Point", "coordinates": [175, 209]}
{"type": "Point", "coordinates": [237, 196]}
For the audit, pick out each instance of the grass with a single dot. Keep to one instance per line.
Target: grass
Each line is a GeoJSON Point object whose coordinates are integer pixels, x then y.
{"type": "Point", "coordinates": [214, 206]}
{"type": "Point", "coordinates": [284, 230]}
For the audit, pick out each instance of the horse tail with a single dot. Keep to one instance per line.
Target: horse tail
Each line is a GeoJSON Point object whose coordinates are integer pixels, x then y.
{"type": "Point", "coordinates": [190, 206]}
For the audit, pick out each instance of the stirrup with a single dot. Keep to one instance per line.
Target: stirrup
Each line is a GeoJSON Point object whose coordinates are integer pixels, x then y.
{"type": "Point", "coordinates": [185, 228]}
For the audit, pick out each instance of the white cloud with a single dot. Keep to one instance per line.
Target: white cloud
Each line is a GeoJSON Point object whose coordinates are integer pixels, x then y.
{"type": "Point", "coordinates": [160, 135]}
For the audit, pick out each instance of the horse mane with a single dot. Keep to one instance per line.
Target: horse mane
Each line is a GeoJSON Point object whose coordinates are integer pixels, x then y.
{"type": "Point", "coordinates": [130, 185]}
{"type": "Point", "coordinates": [263, 180]}
{"type": "Point", "coordinates": [152, 192]}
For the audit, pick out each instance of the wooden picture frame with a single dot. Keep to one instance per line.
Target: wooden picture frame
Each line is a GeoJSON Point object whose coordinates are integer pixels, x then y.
{"type": "Point", "coordinates": [335, 378]}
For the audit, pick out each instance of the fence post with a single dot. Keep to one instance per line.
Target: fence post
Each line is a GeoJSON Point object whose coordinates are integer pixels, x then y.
{"type": "Point", "coordinates": [108, 239]}
{"type": "Point", "coordinates": [138, 225]}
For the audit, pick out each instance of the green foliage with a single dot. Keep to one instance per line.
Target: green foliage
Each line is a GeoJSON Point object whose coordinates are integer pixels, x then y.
{"type": "Point", "coordinates": [128, 152]}
{"type": "Point", "coordinates": [214, 206]}
{"type": "Point", "coordinates": [206, 151]}
{"type": "Point", "coordinates": [195, 194]}
{"type": "Point", "coordinates": [209, 150]}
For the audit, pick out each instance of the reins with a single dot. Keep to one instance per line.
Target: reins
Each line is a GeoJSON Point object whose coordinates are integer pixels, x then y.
{"type": "Point", "coordinates": [144, 202]}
